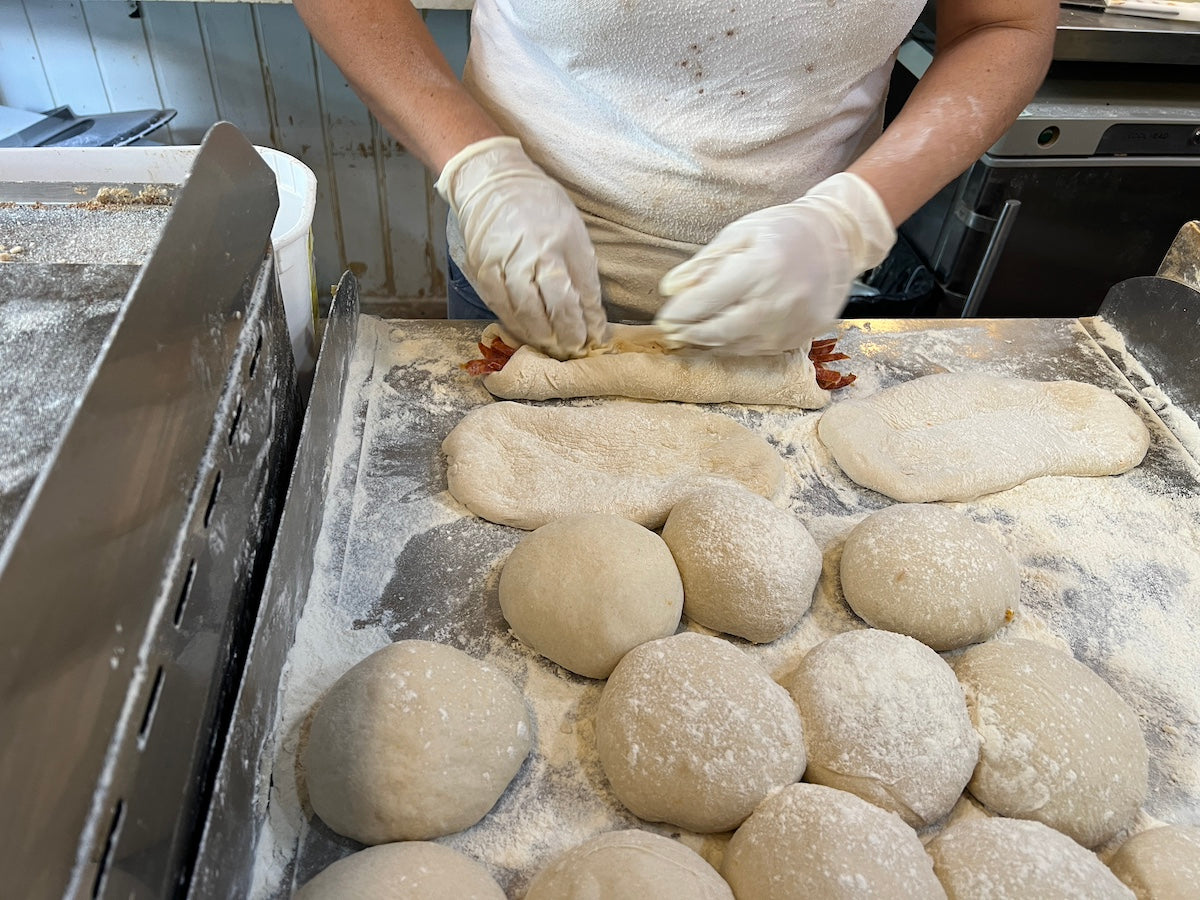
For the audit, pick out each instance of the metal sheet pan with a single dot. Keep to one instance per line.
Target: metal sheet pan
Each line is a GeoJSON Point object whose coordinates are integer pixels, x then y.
{"type": "Point", "coordinates": [397, 558]}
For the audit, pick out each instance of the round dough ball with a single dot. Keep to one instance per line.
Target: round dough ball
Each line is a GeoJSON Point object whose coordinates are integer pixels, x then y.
{"type": "Point", "coordinates": [629, 865]}
{"type": "Point", "coordinates": [885, 718]}
{"type": "Point", "coordinates": [1017, 859]}
{"type": "Point", "coordinates": [417, 741]}
{"type": "Point", "coordinates": [585, 590]}
{"type": "Point", "coordinates": [931, 573]}
{"type": "Point", "coordinates": [1160, 864]}
{"type": "Point", "coordinates": [1059, 745]}
{"type": "Point", "coordinates": [416, 870]}
{"type": "Point", "coordinates": [694, 732]}
{"type": "Point", "coordinates": [808, 841]}
{"type": "Point", "coordinates": [748, 567]}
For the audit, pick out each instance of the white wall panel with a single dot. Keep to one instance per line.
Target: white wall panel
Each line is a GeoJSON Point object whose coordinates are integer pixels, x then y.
{"type": "Point", "coordinates": [182, 68]}
{"type": "Point", "coordinates": [67, 55]}
{"type": "Point", "coordinates": [23, 81]}
{"type": "Point", "coordinates": [255, 65]}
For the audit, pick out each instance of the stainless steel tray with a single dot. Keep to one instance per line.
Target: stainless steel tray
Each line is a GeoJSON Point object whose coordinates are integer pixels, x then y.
{"type": "Point", "coordinates": [1110, 569]}
{"type": "Point", "coordinates": [129, 576]}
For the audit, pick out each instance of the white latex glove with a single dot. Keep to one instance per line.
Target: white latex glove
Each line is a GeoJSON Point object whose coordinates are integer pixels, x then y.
{"type": "Point", "coordinates": [528, 252]}
{"type": "Point", "coordinates": [774, 279]}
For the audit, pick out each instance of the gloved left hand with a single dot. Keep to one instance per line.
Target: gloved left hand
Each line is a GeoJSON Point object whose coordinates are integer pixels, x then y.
{"type": "Point", "coordinates": [774, 279]}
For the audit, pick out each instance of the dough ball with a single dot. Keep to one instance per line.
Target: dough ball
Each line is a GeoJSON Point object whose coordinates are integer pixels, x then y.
{"type": "Point", "coordinates": [809, 841]}
{"type": "Point", "coordinates": [748, 567]}
{"type": "Point", "coordinates": [930, 573]}
{"type": "Point", "coordinates": [416, 870]}
{"type": "Point", "coordinates": [694, 732]}
{"type": "Point", "coordinates": [585, 590]}
{"type": "Point", "coordinates": [885, 718]}
{"type": "Point", "coordinates": [1160, 864]}
{"type": "Point", "coordinates": [417, 741]}
{"type": "Point", "coordinates": [629, 865]}
{"type": "Point", "coordinates": [1016, 859]}
{"type": "Point", "coordinates": [1059, 745]}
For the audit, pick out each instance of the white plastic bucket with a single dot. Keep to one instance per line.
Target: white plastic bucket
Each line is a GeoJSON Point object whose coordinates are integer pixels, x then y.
{"type": "Point", "coordinates": [291, 234]}
{"type": "Point", "coordinates": [291, 238]}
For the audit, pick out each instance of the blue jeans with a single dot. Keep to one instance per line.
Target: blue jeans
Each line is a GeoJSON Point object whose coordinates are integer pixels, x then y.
{"type": "Point", "coordinates": [462, 300]}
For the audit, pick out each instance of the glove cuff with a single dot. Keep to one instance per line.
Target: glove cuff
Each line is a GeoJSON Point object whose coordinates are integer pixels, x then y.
{"type": "Point", "coordinates": [870, 233]}
{"type": "Point", "coordinates": [472, 165]}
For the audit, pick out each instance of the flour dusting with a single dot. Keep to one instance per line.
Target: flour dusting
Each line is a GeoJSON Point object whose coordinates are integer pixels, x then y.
{"type": "Point", "coordinates": [1109, 566]}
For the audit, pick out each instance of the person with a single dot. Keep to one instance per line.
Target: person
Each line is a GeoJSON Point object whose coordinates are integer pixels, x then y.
{"type": "Point", "coordinates": [715, 165]}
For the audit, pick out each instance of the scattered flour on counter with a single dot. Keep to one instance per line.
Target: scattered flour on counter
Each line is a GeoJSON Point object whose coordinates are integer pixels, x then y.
{"type": "Point", "coordinates": [1182, 426]}
{"type": "Point", "coordinates": [1110, 569]}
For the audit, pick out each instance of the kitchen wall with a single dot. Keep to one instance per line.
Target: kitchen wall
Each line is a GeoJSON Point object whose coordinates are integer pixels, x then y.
{"type": "Point", "coordinates": [255, 65]}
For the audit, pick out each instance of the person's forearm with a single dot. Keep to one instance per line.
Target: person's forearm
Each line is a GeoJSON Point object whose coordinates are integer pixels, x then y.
{"type": "Point", "coordinates": [980, 79]}
{"type": "Point", "coordinates": [391, 61]}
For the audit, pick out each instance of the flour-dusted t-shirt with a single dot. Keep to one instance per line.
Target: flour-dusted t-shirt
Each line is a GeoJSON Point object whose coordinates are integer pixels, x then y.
{"type": "Point", "coordinates": [665, 120]}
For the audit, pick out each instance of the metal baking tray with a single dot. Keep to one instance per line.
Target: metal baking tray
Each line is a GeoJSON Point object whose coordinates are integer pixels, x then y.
{"type": "Point", "coordinates": [136, 548]}
{"type": "Point", "coordinates": [373, 549]}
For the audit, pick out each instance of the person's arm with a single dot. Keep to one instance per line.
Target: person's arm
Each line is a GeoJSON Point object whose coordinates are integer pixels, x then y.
{"type": "Point", "coordinates": [527, 249]}
{"type": "Point", "coordinates": [991, 57]}
{"type": "Point", "coordinates": [775, 278]}
{"type": "Point", "coordinates": [389, 57]}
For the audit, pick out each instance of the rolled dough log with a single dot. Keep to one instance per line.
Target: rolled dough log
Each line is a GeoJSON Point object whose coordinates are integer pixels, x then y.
{"type": "Point", "coordinates": [885, 719]}
{"type": "Point", "coordinates": [1015, 859]}
{"type": "Point", "coordinates": [931, 573]}
{"type": "Point", "coordinates": [410, 869]}
{"type": "Point", "coordinates": [636, 363]}
{"type": "Point", "coordinates": [692, 731]}
{"type": "Point", "coordinates": [585, 590]}
{"type": "Point", "coordinates": [417, 741]}
{"type": "Point", "coordinates": [528, 465]}
{"type": "Point", "coordinates": [809, 841]}
{"type": "Point", "coordinates": [629, 865]}
{"type": "Point", "coordinates": [1059, 745]}
{"type": "Point", "coordinates": [1161, 864]}
{"type": "Point", "coordinates": [956, 437]}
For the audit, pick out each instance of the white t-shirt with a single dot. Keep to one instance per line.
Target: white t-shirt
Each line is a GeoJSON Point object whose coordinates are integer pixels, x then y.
{"type": "Point", "coordinates": [667, 119]}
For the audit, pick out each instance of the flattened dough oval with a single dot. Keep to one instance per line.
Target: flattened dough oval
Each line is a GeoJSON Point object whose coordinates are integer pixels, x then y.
{"type": "Point", "coordinates": [957, 437]}
{"type": "Point", "coordinates": [528, 465]}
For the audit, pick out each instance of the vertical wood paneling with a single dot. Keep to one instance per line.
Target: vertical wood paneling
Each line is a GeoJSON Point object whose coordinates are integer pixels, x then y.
{"type": "Point", "coordinates": [298, 126]}
{"type": "Point", "coordinates": [23, 83]}
{"type": "Point", "coordinates": [254, 65]}
{"type": "Point", "coordinates": [181, 68]}
{"type": "Point", "coordinates": [118, 44]}
{"type": "Point", "coordinates": [68, 58]}
{"type": "Point", "coordinates": [350, 145]}
{"type": "Point", "coordinates": [235, 68]}
{"type": "Point", "coordinates": [408, 231]}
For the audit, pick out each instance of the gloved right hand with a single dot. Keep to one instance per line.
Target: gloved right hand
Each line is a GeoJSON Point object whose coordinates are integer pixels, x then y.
{"type": "Point", "coordinates": [528, 252]}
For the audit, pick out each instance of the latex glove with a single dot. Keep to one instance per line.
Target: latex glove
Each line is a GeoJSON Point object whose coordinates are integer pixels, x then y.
{"type": "Point", "coordinates": [528, 252]}
{"type": "Point", "coordinates": [774, 279]}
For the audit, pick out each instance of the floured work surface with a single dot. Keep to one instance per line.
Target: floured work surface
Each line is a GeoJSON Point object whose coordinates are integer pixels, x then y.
{"type": "Point", "coordinates": [53, 324]}
{"type": "Point", "coordinates": [1110, 569]}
